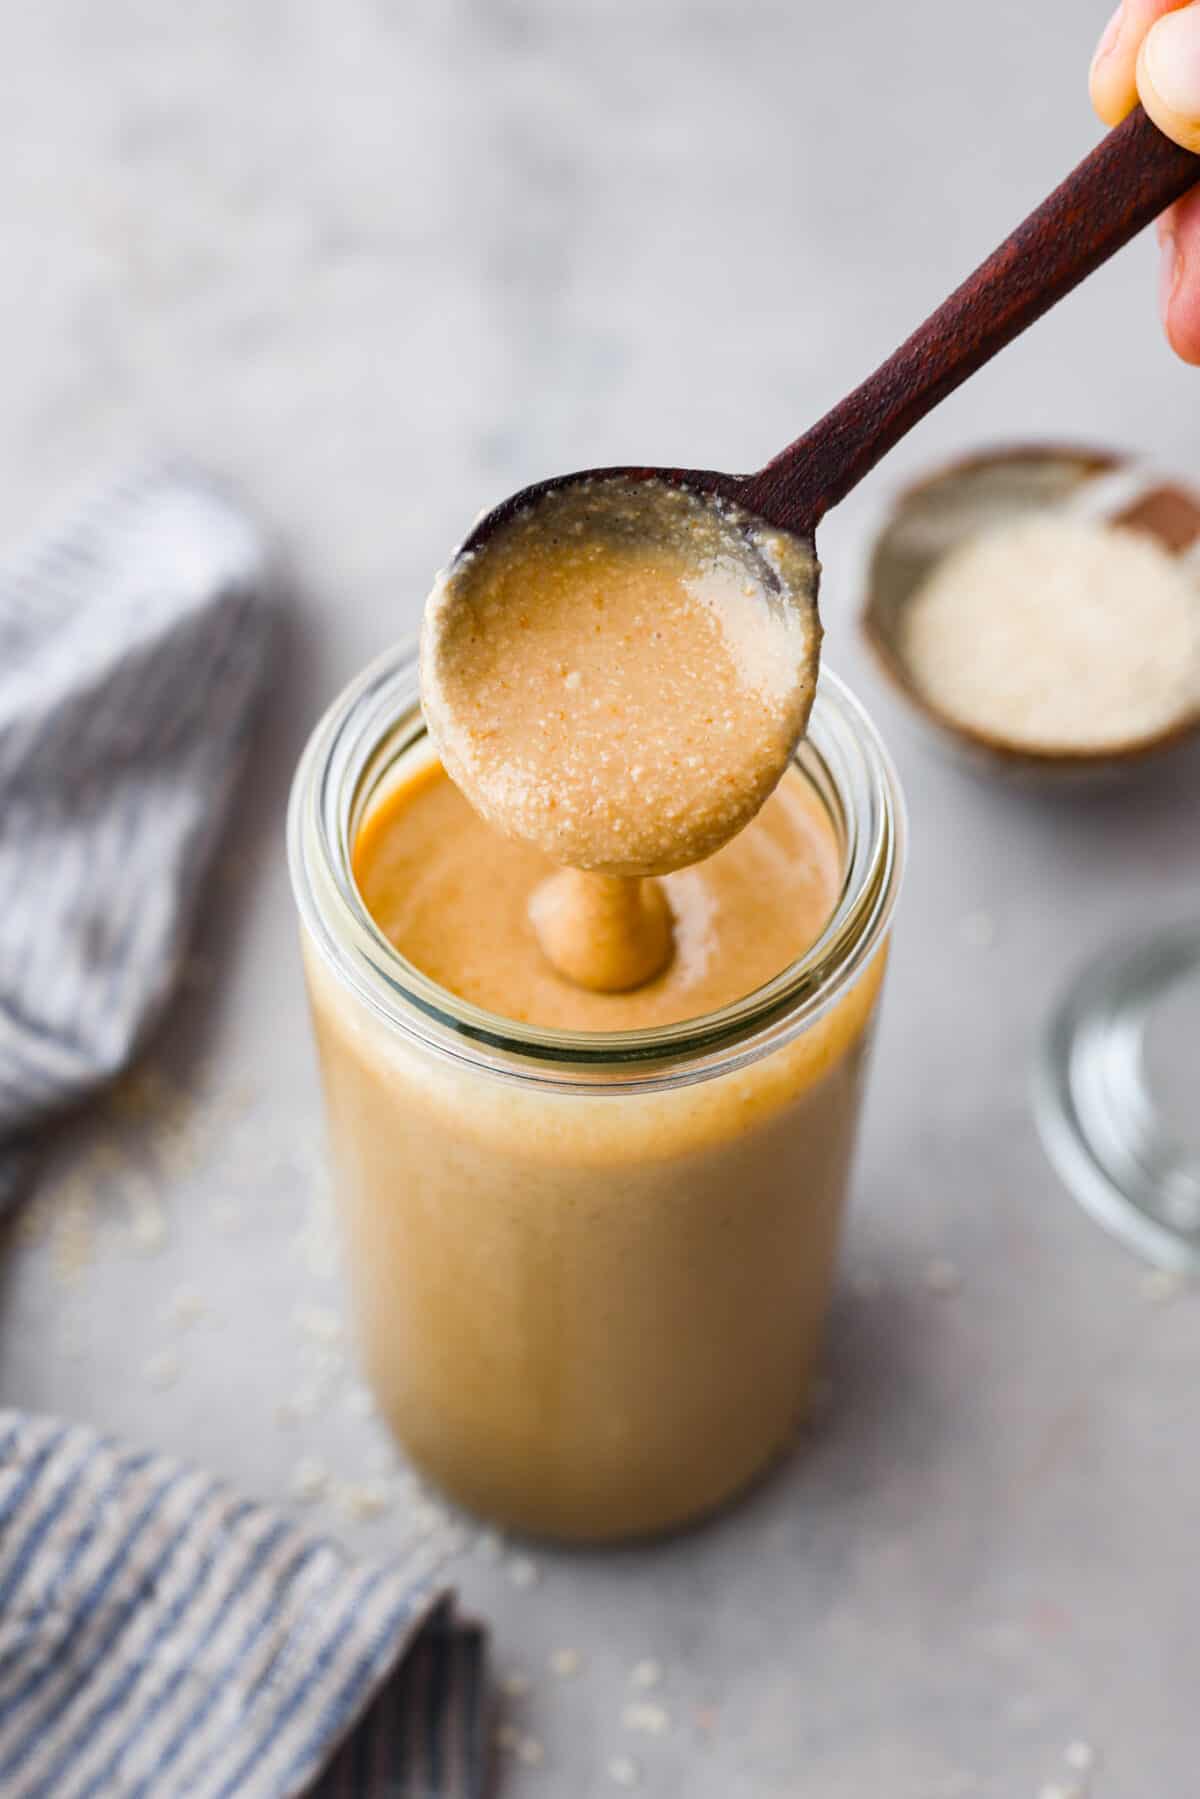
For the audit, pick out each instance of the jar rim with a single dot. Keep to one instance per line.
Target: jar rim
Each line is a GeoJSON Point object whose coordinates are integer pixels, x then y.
{"type": "Point", "coordinates": [376, 719]}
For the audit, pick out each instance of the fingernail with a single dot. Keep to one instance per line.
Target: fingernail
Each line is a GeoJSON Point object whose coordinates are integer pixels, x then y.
{"type": "Point", "coordinates": [1108, 38]}
{"type": "Point", "coordinates": [1170, 272]}
{"type": "Point", "coordinates": [1170, 62]}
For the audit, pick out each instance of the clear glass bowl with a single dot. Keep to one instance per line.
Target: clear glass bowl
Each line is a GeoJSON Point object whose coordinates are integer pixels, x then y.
{"type": "Point", "coordinates": [1116, 1094]}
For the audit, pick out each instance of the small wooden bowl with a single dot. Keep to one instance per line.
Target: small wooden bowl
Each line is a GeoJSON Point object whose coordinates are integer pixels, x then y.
{"type": "Point", "coordinates": [977, 493]}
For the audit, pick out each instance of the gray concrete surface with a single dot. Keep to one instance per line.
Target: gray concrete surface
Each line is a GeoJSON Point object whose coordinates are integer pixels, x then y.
{"type": "Point", "coordinates": [383, 264]}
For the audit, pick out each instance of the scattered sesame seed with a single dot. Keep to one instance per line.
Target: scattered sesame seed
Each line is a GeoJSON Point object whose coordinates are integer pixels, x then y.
{"type": "Point", "coordinates": [326, 1360]}
{"type": "Point", "coordinates": [316, 1240]}
{"type": "Point", "coordinates": [942, 1277]}
{"type": "Point", "coordinates": [516, 1685]}
{"type": "Point", "coordinates": [149, 1231]}
{"type": "Point", "coordinates": [1053, 1789]}
{"type": "Point", "coordinates": [364, 1499]}
{"type": "Point", "coordinates": [310, 1478]}
{"type": "Point", "coordinates": [523, 1571]}
{"type": "Point", "coordinates": [507, 1736]}
{"type": "Point", "coordinates": [238, 1099]}
{"type": "Point", "coordinates": [530, 1751]}
{"type": "Point", "coordinates": [623, 1771]}
{"type": "Point", "coordinates": [1160, 1284]}
{"type": "Point", "coordinates": [645, 1674]}
{"type": "Point", "coordinates": [565, 1663]}
{"type": "Point", "coordinates": [489, 1546]}
{"type": "Point", "coordinates": [317, 1245]}
{"type": "Point", "coordinates": [147, 1220]}
{"type": "Point", "coordinates": [1080, 1756]}
{"type": "Point", "coordinates": [163, 1367]}
{"type": "Point", "coordinates": [653, 1719]}
{"type": "Point", "coordinates": [73, 1237]}
{"type": "Point", "coordinates": [186, 1306]}
{"type": "Point", "coordinates": [318, 1322]}
{"type": "Point", "coordinates": [176, 1150]}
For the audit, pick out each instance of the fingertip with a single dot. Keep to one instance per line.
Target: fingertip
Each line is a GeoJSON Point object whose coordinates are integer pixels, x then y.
{"type": "Point", "coordinates": [1112, 81]}
{"type": "Point", "coordinates": [1179, 294]}
{"type": "Point", "coordinates": [1168, 75]}
{"type": "Point", "coordinates": [1183, 333]}
{"type": "Point", "coordinates": [1113, 92]}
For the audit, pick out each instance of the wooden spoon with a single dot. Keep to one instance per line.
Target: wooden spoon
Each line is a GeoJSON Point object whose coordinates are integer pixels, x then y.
{"type": "Point", "coordinates": [1132, 175]}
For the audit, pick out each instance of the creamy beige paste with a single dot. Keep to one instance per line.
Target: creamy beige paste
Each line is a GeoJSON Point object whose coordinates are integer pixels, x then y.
{"type": "Point", "coordinates": [590, 1314]}
{"type": "Point", "coordinates": [453, 896]}
{"type": "Point", "coordinates": [621, 674]}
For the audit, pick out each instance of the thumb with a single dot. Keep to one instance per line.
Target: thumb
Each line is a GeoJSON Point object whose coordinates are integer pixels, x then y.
{"type": "Point", "coordinates": [1113, 74]}
{"type": "Point", "coordinates": [1168, 75]}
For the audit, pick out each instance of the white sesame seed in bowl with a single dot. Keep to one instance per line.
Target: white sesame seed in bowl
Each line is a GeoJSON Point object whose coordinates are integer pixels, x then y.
{"type": "Point", "coordinates": [1038, 611]}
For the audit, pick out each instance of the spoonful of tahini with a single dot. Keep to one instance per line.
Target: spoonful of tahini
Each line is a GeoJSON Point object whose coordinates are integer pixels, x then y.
{"type": "Point", "coordinates": [618, 664]}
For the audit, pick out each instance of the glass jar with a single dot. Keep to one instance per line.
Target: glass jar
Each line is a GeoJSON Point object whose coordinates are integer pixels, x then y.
{"type": "Point", "coordinates": [589, 1270]}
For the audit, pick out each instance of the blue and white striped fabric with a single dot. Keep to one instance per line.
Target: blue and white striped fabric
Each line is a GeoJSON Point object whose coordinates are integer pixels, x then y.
{"type": "Point", "coordinates": [133, 641]}
{"type": "Point", "coordinates": [158, 1635]}
{"type": "Point", "coordinates": [162, 1639]}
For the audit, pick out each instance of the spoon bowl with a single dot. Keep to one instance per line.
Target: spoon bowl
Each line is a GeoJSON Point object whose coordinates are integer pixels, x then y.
{"type": "Point", "coordinates": [620, 671]}
{"type": "Point", "coordinates": [709, 485]}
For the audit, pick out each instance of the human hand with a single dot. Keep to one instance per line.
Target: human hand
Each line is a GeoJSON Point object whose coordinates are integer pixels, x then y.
{"type": "Point", "coordinates": [1150, 51]}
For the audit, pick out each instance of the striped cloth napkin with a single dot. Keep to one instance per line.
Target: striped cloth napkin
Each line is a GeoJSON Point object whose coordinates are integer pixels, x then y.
{"type": "Point", "coordinates": [160, 1636]}
{"type": "Point", "coordinates": [132, 645]}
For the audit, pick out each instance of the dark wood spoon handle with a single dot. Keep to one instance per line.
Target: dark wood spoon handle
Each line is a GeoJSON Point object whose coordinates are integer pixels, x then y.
{"type": "Point", "coordinates": [1131, 176]}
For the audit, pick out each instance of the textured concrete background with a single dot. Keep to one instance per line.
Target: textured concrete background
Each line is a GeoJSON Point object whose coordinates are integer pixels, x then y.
{"type": "Point", "coordinates": [383, 264]}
